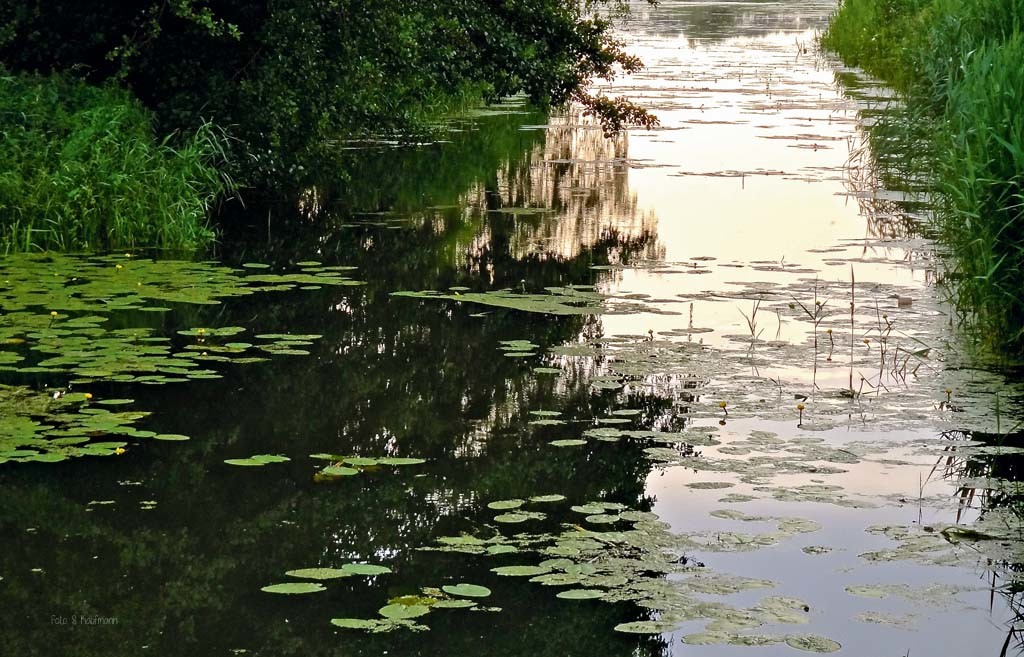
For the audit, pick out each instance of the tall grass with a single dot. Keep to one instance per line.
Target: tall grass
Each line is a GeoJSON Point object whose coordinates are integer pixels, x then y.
{"type": "Point", "coordinates": [82, 170]}
{"type": "Point", "coordinates": [960, 68]}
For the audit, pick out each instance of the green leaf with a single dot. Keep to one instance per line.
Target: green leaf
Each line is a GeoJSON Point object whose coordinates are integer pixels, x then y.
{"type": "Point", "coordinates": [294, 588]}
{"type": "Point", "coordinates": [467, 590]}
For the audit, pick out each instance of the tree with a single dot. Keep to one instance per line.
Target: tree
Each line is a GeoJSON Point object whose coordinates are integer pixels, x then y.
{"type": "Point", "coordinates": [290, 80]}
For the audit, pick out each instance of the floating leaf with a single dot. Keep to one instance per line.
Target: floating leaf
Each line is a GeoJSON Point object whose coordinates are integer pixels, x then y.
{"type": "Point", "coordinates": [467, 590]}
{"type": "Point", "coordinates": [547, 498]}
{"type": "Point", "coordinates": [501, 505]}
{"type": "Point", "coordinates": [400, 611]}
{"type": "Point", "coordinates": [645, 627]}
{"type": "Point", "coordinates": [319, 573]}
{"type": "Point", "coordinates": [454, 604]}
{"type": "Point", "coordinates": [294, 588]}
{"type": "Point", "coordinates": [581, 594]}
{"type": "Point", "coordinates": [520, 571]}
{"type": "Point", "coordinates": [567, 442]}
{"type": "Point", "coordinates": [338, 471]}
{"type": "Point", "coordinates": [812, 643]}
{"type": "Point", "coordinates": [258, 460]}
{"type": "Point", "coordinates": [365, 569]}
{"type": "Point", "coordinates": [401, 460]}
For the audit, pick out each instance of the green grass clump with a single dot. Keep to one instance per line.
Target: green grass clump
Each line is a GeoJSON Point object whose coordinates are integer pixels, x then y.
{"type": "Point", "coordinates": [959, 68]}
{"type": "Point", "coordinates": [980, 171]}
{"type": "Point", "coordinates": [82, 170]}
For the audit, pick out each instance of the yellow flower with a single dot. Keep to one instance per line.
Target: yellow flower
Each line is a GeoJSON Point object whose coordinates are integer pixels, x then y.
{"type": "Point", "coordinates": [88, 395]}
{"type": "Point", "coordinates": [200, 331]}
{"type": "Point", "coordinates": [800, 407]}
{"type": "Point", "coordinates": [118, 266]}
{"type": "Point", "coordinates": [53, 313]}
{"type": "Point", "coordinates": [722, 404]}
{"type": "Point", "coordinates": [119, 451]}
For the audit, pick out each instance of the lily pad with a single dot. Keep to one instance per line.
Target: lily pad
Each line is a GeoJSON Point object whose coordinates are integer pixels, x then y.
{"type": "Point", "coordinates": [581, 594]}
{"type": "Point", "coordinates": [365, 569]}
{"type": "Point", "coordinates": [812, 643]}
{"type": "Point", "coordinates": [319, 573]}
{"type": "Point", "coordinates": [467, 590]}
{"type": "Point", "coordinates": [294, 588]}
{"type": "Point", "coordinates": [401, 612]}
{"type": "Point", "coordinates": [520, 571]}
{"type": "Point", "coordinates": [567, 442]}
{"type": "Point", "coordinates": [502, 505]}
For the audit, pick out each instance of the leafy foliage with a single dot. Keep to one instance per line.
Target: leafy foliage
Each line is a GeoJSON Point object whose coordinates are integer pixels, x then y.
{"type": "Point", "coordinates": [293, 78]}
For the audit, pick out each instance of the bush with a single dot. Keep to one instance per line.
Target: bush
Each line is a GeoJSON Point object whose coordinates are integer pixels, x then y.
{"type": "Point", "coordinates": [84, 171]}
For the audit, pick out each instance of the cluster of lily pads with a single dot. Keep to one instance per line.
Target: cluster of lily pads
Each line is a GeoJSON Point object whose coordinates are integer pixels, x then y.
{"type": "Point", "coordinates": [519, 348]}
{"type": "Point", "coordinates": [56, 320]}
{"type": "Point", "coordinates": [321, 574]}
{"type": "Point", "coordinates": [401, 610]}
{"type": "Point", "coordinates": [347, 466]}
{"type": "Point", "coordinates": [631, 563]}
{"type": "Point", "coordinates": [54, 425]}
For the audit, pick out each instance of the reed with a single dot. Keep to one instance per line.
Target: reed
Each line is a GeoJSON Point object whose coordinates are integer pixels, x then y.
{"type": "Point", "coordinates": [84, 171]}
{"type": "Point", "coordinates": [957, 66]}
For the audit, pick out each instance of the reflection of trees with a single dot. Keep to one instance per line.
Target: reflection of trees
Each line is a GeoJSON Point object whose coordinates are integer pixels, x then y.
{"type": "Point", "coordinates": [704, 21]}
{"type": "Point", "coordinates": [389, 376]}
{"type": "Point", "coordinates": [967, 470]}
{"type": "Point", "coordinates": [580, 178]}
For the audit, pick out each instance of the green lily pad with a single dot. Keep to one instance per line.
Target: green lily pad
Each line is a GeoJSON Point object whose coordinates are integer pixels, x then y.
{"type": "Point", "coordinates": [520, 571]}
{"type": "Point", "coordinates": [365, 569]}
{"type": "Point", "coordinates": [502, 505]}
{"type": "Point", "coordinates": [258, 460]}
{"type": "Point", "coordinates": [401, 612]}
{"type": "Point", "coordinates": [467, 590]}
{"type": "Point", "coordinates": [454, 604]}
{"type": "Point", "coordinates": [547, 498]}
{"type": "Point", "coordinates": [567, 442]}
{"type": "Point", "coordinates": [294, 588]}
{"type": "Point", "coordinates": [812, 643]}
{"type": "Point", "coordinates": [319, 573]}
{"type": "Point", "coordinates": [645, 627]}
{"type": "Point", "coordinates": [338, 471]}
{"type": "Point", "coordinates": [581, 594]}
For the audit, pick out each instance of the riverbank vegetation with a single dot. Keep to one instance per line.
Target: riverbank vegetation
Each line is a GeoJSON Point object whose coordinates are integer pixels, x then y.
{"type": "Point", "coordinates": [83, 170]}
{"type": "Point", "coordinates": [290, 84]}
{"type": "Point", "coordinates": [958, 68]}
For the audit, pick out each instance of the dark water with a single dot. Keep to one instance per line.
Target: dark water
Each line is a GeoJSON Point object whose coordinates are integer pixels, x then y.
{"type": "Point", "coordinates": [395, 376]}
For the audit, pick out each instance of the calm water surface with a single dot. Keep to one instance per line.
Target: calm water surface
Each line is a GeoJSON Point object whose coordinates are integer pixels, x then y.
{"type": "Point", "coordinates": [710, 240]}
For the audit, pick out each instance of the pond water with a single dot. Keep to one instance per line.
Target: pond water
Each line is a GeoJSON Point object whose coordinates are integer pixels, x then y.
{"type": "Point", "coordinates": [529, 391]}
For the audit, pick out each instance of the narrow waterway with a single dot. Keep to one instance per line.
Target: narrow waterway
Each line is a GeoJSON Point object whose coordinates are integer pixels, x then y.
{"type": "Point", "coordinates": [685, 391]}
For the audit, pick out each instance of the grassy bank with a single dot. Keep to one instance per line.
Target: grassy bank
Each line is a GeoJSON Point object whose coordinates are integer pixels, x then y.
{"type": "Point", "coordinates": [959, 68]}
{"type": "Point", "coordinates": [83, 170]}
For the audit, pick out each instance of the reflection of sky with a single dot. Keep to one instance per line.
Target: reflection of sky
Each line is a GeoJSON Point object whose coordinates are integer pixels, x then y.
{"type": "Point", "coordinates": [820, 580]}
{"type": "Point", "coordinates": [771, 133]}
